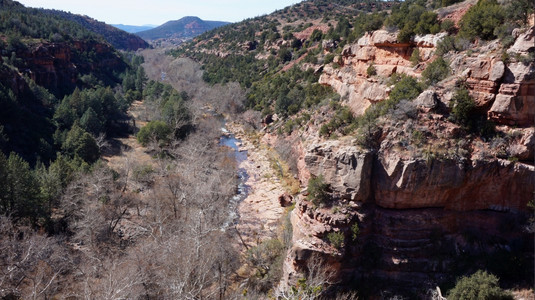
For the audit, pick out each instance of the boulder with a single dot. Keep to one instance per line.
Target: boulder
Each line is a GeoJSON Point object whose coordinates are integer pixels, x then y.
{"type": "Point", "coordinates": [384, 38]}
{"type": "Point", "coordinates": [525, 42]}
{"type": "Point", "coordinates": [286, 200]}
{"type": "Point", "coordinates": [497, 70]}
{"type": "Point", "coordinates": [515, 102]}
{"type": "Point", "coordinates": [427, 100]}
{"type": "Point", "coordinates": [429, 40]}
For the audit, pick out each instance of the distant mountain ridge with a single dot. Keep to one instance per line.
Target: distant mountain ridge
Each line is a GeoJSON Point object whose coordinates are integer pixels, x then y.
{"type": "Point", "coordinates": [187, 27]}
{"type": "Point", "coordinates": [133, 28]}
{"type": "Point", "coordinates": [116, 37]}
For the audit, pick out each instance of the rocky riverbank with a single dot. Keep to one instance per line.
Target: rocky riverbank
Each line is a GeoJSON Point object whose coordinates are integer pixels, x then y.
{"type": "Point", "coordinates": [260, 211]}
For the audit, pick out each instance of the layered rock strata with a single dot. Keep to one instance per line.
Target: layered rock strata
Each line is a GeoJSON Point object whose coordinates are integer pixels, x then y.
{"type": "Point", "coordinates": [418, 220]}
{"type": "Point", "coordinates": [505, 90]}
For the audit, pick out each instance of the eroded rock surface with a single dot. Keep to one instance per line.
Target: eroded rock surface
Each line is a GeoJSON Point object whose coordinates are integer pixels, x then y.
{"type": "Point", "coordinates": [416, 219]}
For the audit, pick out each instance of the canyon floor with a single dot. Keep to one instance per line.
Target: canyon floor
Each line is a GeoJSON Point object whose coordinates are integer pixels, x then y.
{"type": "Point", "coordinates": [260, 212]}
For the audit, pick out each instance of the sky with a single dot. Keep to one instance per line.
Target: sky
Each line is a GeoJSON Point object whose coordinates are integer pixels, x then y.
{"type": "Point", "coordinates": [157, 12]}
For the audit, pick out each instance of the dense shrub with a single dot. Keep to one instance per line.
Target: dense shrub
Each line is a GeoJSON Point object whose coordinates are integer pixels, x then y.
{"type": "Point", "coordinates": [505, 33]}
{"type": "Point", "coordinates": [518, 11]}
{"type": "Point", "coordinates": [366, 23]}
{"type": "Point", "coordinates": [482, 19]}
{"type": "Point", "coordinates": [428, 23]}
{"type": "Point", "coordinates": [411, 17]}
{"type": "Point", "coordinates": [343, 118]}
{"type": "Point", "coordinates": [154, 131]}
{"type": "Point", "coordinates": [290, 90]}
{"type": "Point", "coordinates": [415, 57]}
{"type": "Point", "coordinates": [436, 71]}
{"type": "Point", "coordinates": [368, 132]}
{"type": "Point", "coordinates": [18, 187]}
{"type": "Point", "coordinates": [445, 3]}
{"type": "Point", "coordinates": [328, 58]}
{"type": "Point", "coordinates": [447, 26]}
{"type": "Point", "coordinates": [445, 45]}
{"type": "Point", "coordinates": [336, 239]}
{"type": "Point", "coordinates": [244, 69]}
{"type": "Point", "coordinates": [355, 231]}
{"type": "Point", "coordinates": [407, 88]}
{"type": "Point", "coordinates": [80, 143]}
{"type": "Point", "coordinates": [479, 286]}
{"type": "Point", "coordinates": [317, 190]}
{"type": "Point", "coordinates": [267, 258]}
{"type": "Point", "coordinates": [371, 71]}
{"type": "Point", "coordinates": [317, 35]}
{"type": "Point", "coordinates": [462, 108]}
{"type": "Point", "coordinates": [285, 55]}
{"type": "Point", "coordinates": [97, 109]}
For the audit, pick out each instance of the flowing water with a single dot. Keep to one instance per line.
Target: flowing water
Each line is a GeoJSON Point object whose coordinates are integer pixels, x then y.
{"type": "Point", "coordinates": [229, 140]}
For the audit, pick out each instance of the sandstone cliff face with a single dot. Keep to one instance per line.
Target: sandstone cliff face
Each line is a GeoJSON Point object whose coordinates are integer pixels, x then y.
{"type": "Point", "coordinates": [451, 185]}
{"type": "Point", "coordinates": [417, 219]}
{"type": "Point", "coordinates": [421, 220]}
{"type": "Point", "coordinates": [381, 50]}
{"type": "Point", "coordinates": [505, 90]}
{"type": "Point", "coordinates": [346, 169]}
{"type": "Point", "coordinates": [57, 66]}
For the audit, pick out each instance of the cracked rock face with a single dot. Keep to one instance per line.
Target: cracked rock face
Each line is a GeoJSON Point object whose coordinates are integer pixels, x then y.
{"type": "Point", "coordinates": [506, 91]}
{"type": "Point", "coordinates": [415, 217]}
{"type": "Point", "coordinates": [346, 169]}
{"type": "Point", "coordinates": [483, 185]}
{"type": "Point", "coordinates": [54, 65]}
{"type": "Point", "coordinates": [418, 218]}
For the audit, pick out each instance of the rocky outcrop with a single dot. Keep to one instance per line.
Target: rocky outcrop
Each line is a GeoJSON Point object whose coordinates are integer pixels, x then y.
{"type": "Point", "coordinates": [346, 168]}
{"type": "Point", "coordinates": [483, 77]}
{"type": "Point", "coordinates": [57, 66]}
{"type": "Point", "coordinates": [449, 184]}
{"type": "Point", "coordinates": [416, 219]}
{"type": "Point", "coordinates": [525, 43]}
{"type": "Point", "coordinates": [286, 200]}
{"type": "Point", "coordinates": [505, 91]}
{"type": "Point", "coordinates": [382, 50]}
{"type": "Point", "coordinates": [422, 218]}
{"type": "Point", "coordinates": [515, 102]}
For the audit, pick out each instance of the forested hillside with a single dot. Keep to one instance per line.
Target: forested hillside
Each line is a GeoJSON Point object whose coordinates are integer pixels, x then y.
{"type": "Point", "coordinates": [61, 95]}
{"type": "Point", "coordinates": [65, 213]}
{"type": "Point", "coordinates": [118, 38]}
{"type": "Point", "coordinates": [58, 26]}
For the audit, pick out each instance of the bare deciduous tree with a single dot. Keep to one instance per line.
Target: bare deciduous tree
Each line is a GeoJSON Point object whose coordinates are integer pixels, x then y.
{"type": "Point", "coordinates": [31, 263]}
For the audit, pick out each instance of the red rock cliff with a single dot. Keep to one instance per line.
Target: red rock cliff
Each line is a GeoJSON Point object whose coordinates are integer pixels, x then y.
{"type": "Point", "coordinates": [422, 219]}
{"type": "Point", "coordinates": [58, 66]}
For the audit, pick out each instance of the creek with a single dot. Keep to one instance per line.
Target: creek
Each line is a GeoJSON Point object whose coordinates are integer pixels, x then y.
{"type": "Point", "coordinates": [229, 140]}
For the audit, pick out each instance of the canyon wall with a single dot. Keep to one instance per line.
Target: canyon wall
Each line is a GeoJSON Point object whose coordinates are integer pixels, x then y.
{"type": "Point", "coordinates": [421, 221]}
{"type": "Point", "coordinates": [58, 66]}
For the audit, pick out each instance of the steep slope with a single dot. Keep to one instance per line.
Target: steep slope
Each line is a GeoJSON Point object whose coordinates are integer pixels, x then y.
{"type": "Point", "coordinates": [60, 25]}
{"type": "Point", "coordinates": [39, 68]}
{"type": "Point", "coordinates": [421, 168]}
{"type": "Point", "coordinates": [185, 28]}
{"type": "Point", "coordinates": [116, 37]}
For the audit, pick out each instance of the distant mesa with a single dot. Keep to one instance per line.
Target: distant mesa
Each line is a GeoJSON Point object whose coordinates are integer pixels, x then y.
{"type": "Point", "coordinates": [185, 28]}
